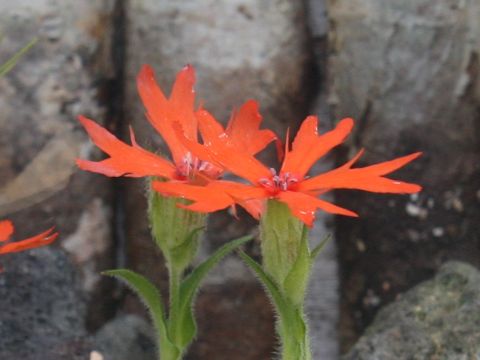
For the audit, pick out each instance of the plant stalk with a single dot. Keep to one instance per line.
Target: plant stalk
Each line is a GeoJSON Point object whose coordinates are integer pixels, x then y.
{"type": "Point", "coordinates": [295, 342]}
{"type": "Point", "coordinates": [175, 278]}
{"type": "Point", "coordinates": [287, 260]}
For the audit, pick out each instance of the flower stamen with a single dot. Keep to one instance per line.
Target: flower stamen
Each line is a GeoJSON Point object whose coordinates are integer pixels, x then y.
{"type": "Point", "coordinates": [281, 182]}
{"type": "Point", "coordinates": [192, 166]}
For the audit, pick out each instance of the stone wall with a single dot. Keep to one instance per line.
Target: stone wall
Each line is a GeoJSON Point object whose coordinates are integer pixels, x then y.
{"type": "Point", "coordinates": [408, 72]}
{"type": "Point", "coordinates": [62, 75]}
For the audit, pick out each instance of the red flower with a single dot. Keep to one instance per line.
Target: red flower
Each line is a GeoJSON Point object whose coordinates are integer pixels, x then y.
{"type": "Point", "coordinates": [6, 230]}
{"type": "Point", "coordinates": [290, 185]}
{"type": "Point", "coordinates": [165, 114]}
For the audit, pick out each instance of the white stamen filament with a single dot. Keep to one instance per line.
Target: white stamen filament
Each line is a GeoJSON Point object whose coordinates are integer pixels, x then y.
{"type": "Point", "coordinates": [281, 182]}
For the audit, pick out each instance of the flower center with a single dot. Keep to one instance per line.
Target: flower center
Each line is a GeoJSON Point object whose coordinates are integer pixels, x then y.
{"type": "Point", "coordinates": [281, 182]}
{"type": "Point", "coordinates": [196, 170]}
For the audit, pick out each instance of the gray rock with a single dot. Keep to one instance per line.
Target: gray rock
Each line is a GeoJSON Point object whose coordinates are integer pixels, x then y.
{"type": "Point", "coordinates": [43, 312]}
{"type": "Point", "coordinates": [322, 301]}
{"type": "Point", "coordinates": [57, 79]}
{"type": "Point", "coordinates": [243, 49]}
{"type": "Point", "coordinates": [408, 72]}
{"type": "Point", "coordinates": [60, 77]}
{"type": "Point", "coordinates": [438, 319]}
{"type": "Point", "coordinates": [126, 337]}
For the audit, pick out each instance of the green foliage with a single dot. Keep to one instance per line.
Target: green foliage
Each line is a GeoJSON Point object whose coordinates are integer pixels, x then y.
{"type": "Point", "coordinates": [176, 231]}
{"type": "Point", "coordinates": [318, 249]}
{"type": "Point", "coordinates": [152, 299]}
{"type": "Point", "coordinates": [175, 332]}
{"type": "Point", "coordinates": [291, 325]}
{"type": "Point", "coordinates": [7, 66]}
{"type": "Point", "coordinates": [191, 284]}
{"type": "Point", "coordinates": [286, 268]}
{"type": "Point", "coordinates": [280, 235]}
{"type": "Point", "coordinates": [296, 281]}
{"type": "Point", "coordinates": [269, 283]}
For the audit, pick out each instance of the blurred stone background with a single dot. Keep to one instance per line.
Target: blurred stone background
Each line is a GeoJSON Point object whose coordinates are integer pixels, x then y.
{"type": "Point", "coordinates": [408, 72]}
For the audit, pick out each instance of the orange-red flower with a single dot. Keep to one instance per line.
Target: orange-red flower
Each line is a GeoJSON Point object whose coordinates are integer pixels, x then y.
{"type": "Point", "coordinates": [165, 115]}
{"type": "Point", "coordinates": [290, 185]}
{"type": "Point", "coordinates": [6, 231]}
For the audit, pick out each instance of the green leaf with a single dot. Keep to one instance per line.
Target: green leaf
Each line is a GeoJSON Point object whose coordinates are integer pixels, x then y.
{"type": "Point", "coordinates": [7, 66]}
{"type": "Point", "coordinates": [190, 285]}
{"type": "Point", "coordinates": [272, 288]}
{"type": "Point", "coordinates": [151, 297]}
{"type": "Point", "coordinates": [320, 246]}
{"type": "Point", "coordinates": [291, 323]}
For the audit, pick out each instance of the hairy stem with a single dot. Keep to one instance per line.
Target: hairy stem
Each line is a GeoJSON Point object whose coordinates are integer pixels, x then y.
{"type": "Point", "coordinates": [175, 277]}
{"type": "Point", "coordinates": [294, 339]}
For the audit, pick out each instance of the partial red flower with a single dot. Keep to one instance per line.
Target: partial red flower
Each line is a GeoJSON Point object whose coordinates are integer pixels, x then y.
{"type": "Point", "coordinates": [290, 185]}
{"type": "Point", "coordinates": [166, 115]}
{"type": "Point", "coordinates": [6, 231]}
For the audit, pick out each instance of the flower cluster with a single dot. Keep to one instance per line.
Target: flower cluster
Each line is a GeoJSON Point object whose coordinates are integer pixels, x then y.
{"type": "Point", "coordinates": [191, 182]}
{"type": "Point", "coordinates": [170, 116]}
{"type": "Point", "coordinates": [196, 167]}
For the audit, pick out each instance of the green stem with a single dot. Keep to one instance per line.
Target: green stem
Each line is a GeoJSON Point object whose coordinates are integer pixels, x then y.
{"type": "Point", "coordinates": [174, 330]}
{"type": "Point", "coordinates": [169, 354]}
{"type": "Point", "coordinates": [294, 339]}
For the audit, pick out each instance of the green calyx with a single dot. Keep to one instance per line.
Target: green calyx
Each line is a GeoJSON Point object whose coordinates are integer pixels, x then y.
{"type": "Point", "coordinates": [176, 231]}
{"type": "Point", "coordinates": [285, 250]}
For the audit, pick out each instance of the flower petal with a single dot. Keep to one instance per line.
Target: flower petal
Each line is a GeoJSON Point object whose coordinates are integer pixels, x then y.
{"type": "Point", "coordinates": [182, 99]}
{"type": "Point", "coordinates": [240, 191]}
{"type": "Point", "coordinates": [39, 240]}
{"type": "Point", "coordinates": [221, 151]}
{"type": "Point", "coordinates": [210, 128]}
{"type": "Point", "coordinates": [368, 178]}
{"type": "Point", "coordinates": [308, 146]}
{"type": "Point", "coordinates": [303, 206]}
{"type": "Point", "coordinates": [6, 230]}
{"type": "Point", "coordinates": [205, 199]}
{"type": "Point", "coordinates": [254, 207]}
{"type": "Point", "coordinates": [244, 131]}
{"type": "Point", "coordinates": [163, 112]}
{"type": "Point", "coordinates": [132, 161]}
{"type": "Point", "coordinates": [217, 195]}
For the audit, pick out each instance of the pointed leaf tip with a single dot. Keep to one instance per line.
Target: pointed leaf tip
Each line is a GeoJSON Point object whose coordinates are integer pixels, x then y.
{"type": "Point", "coordinates": [318, 249]}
